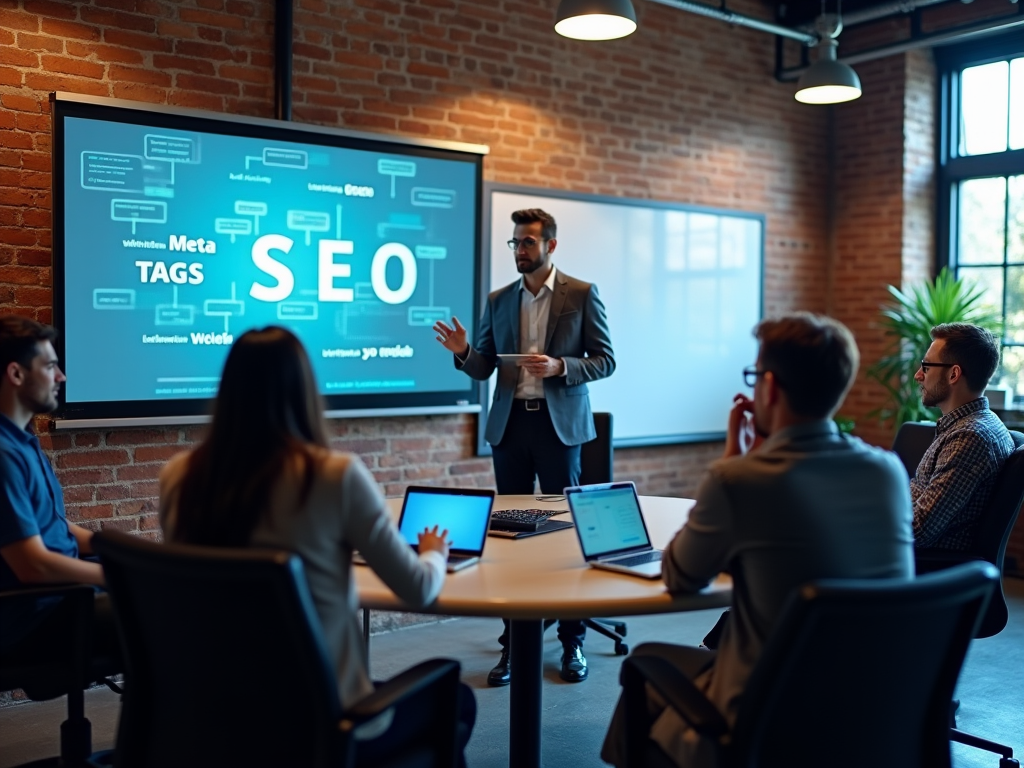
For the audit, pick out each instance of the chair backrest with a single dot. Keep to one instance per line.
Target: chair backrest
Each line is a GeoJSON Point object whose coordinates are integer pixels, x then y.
{"type": "Point", "coordinates": [994, 528]}
{"type": "Point", "coordinates": [912, 440]}
{"type": "Point", "coordinates": [597, 457]}
{"type": "Point", "coordinates": [225, 663]}
{"type": "Point", "coordinates": [860, 673]}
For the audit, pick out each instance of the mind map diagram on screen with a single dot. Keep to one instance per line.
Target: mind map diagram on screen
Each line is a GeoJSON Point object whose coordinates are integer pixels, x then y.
{"type": "Point", "coordinates": [176, 242]}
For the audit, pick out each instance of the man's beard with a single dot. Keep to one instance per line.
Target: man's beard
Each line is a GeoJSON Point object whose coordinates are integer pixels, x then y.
{"type": "Point", "coordinates": [932, 397]}
{"type": "Point", "coordinates": [532, 266]}
{"type": "Point", "coordinates": [39, 407]}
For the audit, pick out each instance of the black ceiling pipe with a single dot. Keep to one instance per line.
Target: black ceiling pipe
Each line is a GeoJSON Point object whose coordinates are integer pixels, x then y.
{"type": "Point", "coordinates": [283, 59]}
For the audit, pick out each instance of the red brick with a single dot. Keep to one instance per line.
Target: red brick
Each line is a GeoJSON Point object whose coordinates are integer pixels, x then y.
{"type": "Point", "coordinates": [139, 75]}
{"type": "Point", "coordinates": [146, 453]}
{"type": "Point", "coordinates": [104, 52]}
{"type": "Point", "coordinates": [208, 84]}
{"type": "Point", "coordinates": [95, 458]}
{"type": "Point", "coordinates": [93, 512]}
{"type": "Point", "coordinates": [187, 63]}
{"type": "Point", "coordinates": [138, 472]}
{"type": "Point", "coordinates": [69, 29]}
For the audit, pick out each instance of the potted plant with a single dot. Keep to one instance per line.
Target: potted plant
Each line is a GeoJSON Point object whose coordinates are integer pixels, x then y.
{"type": "Point", "coordinates": [908, 320]}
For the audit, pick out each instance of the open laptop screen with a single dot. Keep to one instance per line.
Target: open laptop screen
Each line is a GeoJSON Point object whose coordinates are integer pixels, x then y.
{"type": "Point", "coordinates": [608, 519]}
{"type": "Point", "coordinates": [466, 513]}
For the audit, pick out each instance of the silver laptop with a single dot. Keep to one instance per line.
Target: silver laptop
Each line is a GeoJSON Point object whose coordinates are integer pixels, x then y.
{"type": "Point", "coordinates": [611, 529]}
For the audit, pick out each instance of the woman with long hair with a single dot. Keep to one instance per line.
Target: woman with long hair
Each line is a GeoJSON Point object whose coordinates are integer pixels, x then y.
{"type": "Point", "coordinates": [265, 477]}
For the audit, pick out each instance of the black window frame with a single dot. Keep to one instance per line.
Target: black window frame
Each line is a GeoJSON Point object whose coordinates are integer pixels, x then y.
{"type": "Point", "coordinates": [954, 168]}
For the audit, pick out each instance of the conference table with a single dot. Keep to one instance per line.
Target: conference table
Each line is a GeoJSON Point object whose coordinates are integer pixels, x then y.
{"type": "Point", "coordinates": [531, 579]}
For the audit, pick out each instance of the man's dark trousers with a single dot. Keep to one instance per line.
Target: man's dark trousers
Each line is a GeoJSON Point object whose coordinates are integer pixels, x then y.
{"type": "Point", "coordinates": [530, 448]}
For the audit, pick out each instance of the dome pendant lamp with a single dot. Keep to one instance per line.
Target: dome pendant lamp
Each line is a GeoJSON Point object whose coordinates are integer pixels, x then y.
{"type": "Point", "coordinates": [595, 19]}
{"type": "Point", "coordinates": [828, 81]}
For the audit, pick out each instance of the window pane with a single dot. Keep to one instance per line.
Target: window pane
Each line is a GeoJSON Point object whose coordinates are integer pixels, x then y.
{"type": "Point", "coordinates": [983, 105]}
{"type": "Point", "coordinates": [1015, 240]}
{"type": "Point", "coordinates": [982, 221]}
{"type": "Point", "coordinates": [990, 280]}
{"type": "Point", "coordinates": [1011, 372]}
{"type": "Point", "coordinates": [1017, 104]}
{"type": "Point", "coordinates": [1014, 331]}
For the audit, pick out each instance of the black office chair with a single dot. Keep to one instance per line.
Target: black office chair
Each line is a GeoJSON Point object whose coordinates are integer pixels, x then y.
{"type": "Point", "coordinates": [597, 460]}
{"type": "Point", "coordinates": [65, 674]}
{"type": "Point", "coordinates": [825, 690]}
{"type": "Point", "coordinates": [912, 440]}
{"type": "Point", "coordinates": [226, 665]}
{"type": "Point", "coordinates": [989, 545]}
{"type": "Point", "coordinates": [596, 466]}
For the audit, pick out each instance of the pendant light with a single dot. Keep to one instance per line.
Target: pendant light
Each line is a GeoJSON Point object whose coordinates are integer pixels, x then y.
{"type": "Point", "coordinates": [595, 19]}
{"type": "Point", "coordinates": [828, 81]}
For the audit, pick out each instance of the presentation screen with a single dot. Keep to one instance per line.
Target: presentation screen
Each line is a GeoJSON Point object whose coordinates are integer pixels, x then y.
{"type": "Point", "coordinates": [682, 286]}
{"type": "Point", "coordinates": [175, 232]}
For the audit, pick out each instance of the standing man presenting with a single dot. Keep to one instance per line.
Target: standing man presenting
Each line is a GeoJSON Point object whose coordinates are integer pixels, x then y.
{"type": "Point", "coordinates": [541, 410]}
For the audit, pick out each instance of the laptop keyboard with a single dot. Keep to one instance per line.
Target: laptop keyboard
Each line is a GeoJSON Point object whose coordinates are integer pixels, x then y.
{"type": "Point", "coordinates": [641, 559]}
{"type": "Point", "coordinates": [521, 519]}
{"type": "Point", "coordinates": [525, 515]}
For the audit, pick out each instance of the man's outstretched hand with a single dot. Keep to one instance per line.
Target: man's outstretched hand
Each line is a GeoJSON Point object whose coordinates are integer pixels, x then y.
{"type": "Point", "coordinates": [452, 338]}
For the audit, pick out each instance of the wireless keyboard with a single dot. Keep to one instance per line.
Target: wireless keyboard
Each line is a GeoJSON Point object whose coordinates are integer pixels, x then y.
{"type": "Point", "coordinates": [521, 519]}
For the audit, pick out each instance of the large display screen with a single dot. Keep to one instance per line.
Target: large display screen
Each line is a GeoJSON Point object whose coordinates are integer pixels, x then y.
{"type": "Point", "coordinates": [176, 232]}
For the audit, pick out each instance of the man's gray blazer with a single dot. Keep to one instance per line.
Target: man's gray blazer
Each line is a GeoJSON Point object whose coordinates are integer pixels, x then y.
{"type": "Point", "coordinates": [577, 333]}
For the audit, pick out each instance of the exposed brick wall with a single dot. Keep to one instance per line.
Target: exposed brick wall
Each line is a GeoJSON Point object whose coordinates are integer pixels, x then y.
{"type": "Point", "coordinates": [870, 150]}
{"type": "Point", "coordinates": [920, 109]}
{"type": "Point", "coordinates": [685, 110]}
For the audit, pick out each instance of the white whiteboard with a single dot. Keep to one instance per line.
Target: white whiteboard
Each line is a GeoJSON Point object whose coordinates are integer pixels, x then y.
{"type": "Point", "coordinates": [682, 287]}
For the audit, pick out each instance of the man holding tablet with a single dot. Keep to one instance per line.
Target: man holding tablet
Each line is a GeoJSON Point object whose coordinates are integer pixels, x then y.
{"type": "Point", "coordinates": [554, 332]}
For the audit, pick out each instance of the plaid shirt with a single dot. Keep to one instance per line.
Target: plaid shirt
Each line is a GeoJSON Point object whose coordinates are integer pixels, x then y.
{"type": "Point", "coordinates": [955, 477]}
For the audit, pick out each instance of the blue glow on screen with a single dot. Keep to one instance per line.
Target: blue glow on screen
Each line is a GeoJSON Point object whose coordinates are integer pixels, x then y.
{"type": "Point", "coordinates": [465, 517]}
{"type": "Point", "coordinates": [178, 241]}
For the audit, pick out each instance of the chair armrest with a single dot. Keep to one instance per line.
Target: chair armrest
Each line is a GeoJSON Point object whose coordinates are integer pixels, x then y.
{"type": "Point", "coordinates": [403, 685]}
{"type": "Point", "coordinates": [677, 690]}
{"type": "Point", "coordinates": [50, 590]}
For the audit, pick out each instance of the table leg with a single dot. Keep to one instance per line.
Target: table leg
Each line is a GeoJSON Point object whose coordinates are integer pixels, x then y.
{"type": "Point", "coordinates": [527, 638]}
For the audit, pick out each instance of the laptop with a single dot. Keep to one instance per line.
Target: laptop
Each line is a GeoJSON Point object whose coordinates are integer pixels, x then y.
{"type": "Point", "coordinates": [465, 512]}
{"type": "Point", "coordinates": [611, 529]}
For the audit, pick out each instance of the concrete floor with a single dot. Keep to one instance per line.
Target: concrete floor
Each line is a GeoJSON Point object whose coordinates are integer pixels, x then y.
{"type": "Point", "coordinates": [991, 689]}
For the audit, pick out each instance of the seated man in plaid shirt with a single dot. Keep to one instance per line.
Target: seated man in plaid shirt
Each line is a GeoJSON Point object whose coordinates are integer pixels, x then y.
{"type": "Point", "coordinates": [958, 471]}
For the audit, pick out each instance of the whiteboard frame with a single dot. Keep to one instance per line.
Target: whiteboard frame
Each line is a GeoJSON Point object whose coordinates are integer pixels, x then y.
{"type": "Point", "coordinates": [491, 187]}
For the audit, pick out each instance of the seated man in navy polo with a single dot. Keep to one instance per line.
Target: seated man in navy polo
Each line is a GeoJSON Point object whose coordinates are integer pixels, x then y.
{"type": "Point", "coordinates": [37, 544]}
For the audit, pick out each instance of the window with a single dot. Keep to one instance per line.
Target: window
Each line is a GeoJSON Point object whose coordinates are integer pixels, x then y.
{"type": "Point", "coordinates": [981, 185]}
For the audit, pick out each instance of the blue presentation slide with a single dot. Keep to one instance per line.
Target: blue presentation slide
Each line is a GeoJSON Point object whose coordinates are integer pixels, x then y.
{"type": "Point", "coordinates": [608, 521]}
{"type": "Point", "coordinates": [177, 242]}
{"type": "Point", "coordinates": [465, 517]}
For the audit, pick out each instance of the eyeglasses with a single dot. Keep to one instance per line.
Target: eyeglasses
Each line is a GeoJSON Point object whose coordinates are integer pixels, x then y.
{"type": "Point", "coordinates": [925, 365]}
{"type": "Point", "coordinates": [751, 375]}
{"type": "Point", "coordinates": [527, 242]}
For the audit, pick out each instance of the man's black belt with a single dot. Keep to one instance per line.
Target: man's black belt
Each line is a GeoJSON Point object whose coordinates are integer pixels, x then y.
{"type": "Point", "coordinates": [537, 404]}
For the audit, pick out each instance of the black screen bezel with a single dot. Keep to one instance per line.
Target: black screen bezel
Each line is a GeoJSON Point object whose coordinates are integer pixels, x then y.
{"type": "Point", "coordinates": [441, 491]}
{"type": "Point", "coordinates": [159, 117]}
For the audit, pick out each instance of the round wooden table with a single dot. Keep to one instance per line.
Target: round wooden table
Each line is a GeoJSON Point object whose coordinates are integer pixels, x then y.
{"type": "Point", "coordinates": [532, 579]}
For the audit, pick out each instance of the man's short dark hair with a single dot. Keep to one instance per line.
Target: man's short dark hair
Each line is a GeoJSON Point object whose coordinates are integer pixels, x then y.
{"type": "Point", "coordinates": [971, 347]}
{"type": "Point", "coordinates": [532, 215]}
{"type": "Point", "coordinates": [18, 339]}
{"type": "Point", "coordinates": [814, 360]}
